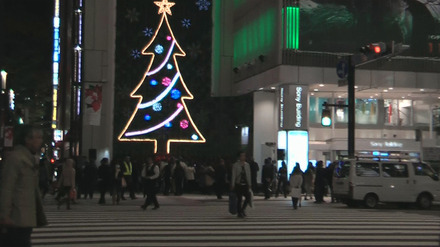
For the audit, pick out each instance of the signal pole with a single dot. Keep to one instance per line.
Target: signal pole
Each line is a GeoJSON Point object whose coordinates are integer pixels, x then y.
{"type": "Point", "coordinates": [351, 106]}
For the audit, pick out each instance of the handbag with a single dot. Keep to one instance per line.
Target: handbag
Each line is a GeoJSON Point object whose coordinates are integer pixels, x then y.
{"type": "Point", "coordinates": [72, 194]}
{"type": "Point", "coordinates": [123, 183]}
{"type": "Point", "coordinates": [251, 199]}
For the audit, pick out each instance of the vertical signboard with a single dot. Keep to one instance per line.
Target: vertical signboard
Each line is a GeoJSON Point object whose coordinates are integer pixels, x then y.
{"type": "Point", "coordinates": [293, 114]}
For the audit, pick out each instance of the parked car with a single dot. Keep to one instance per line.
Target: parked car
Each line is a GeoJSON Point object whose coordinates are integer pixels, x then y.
{"type": "Point", "coordinates": [372, 181]}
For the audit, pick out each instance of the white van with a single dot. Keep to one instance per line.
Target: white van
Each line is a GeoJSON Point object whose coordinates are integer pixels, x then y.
{"type": "Point", "coordinates": [373, 181]}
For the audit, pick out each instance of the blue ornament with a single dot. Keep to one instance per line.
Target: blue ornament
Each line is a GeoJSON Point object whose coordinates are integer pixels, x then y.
{"type": "Point", "coordinates": [175, 94]}
{"type": "Point", "coordinates": [170, 66]}
{"type": "Point", "coordinates": [168, 125]}
{"type": "Point", "coordinates": [158, 49]}
{"type": "Point", "coordinates": [195, 137]}
{"type": "Point", "coordinates": [147, 117]}
{"type": "Point", "coordinates": [153, 82]}
{"type": "Point", "coordinates": [157, 107]}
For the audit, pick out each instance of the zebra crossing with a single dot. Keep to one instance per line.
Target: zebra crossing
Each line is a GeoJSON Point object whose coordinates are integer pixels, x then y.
{"type": "Point", "coordinates": [195, 220]}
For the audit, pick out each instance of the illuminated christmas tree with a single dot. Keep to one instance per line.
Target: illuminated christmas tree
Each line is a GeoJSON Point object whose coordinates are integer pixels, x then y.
{"type": "Point", "coordinates": [161, 115]}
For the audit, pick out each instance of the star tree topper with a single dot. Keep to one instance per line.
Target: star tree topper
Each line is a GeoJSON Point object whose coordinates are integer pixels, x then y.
{"type": "Point", "coordinates": [164, 6]}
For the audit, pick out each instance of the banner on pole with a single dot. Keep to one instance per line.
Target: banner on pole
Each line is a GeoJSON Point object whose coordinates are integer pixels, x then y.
{"type": "Point", "coordinates": [93, 102]}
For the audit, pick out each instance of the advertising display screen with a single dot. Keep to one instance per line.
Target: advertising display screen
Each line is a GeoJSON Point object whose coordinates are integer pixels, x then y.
{"type": "Point", "coordinates": [296, 144]}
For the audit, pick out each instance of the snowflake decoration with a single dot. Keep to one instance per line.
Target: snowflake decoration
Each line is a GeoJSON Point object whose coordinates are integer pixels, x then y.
{"type": "Point", "coordinates": [132, 15]}
{"type": "Point", "coordinates": [194, 50]}
{"type": "Point", "coordinates": [186, 23]}
{"type": "Point", "coordinates": [135, 54]}
{"type": "Point", "coordinates": [148, 32]}
{"type": "Point", "coordinates": [203, 4]}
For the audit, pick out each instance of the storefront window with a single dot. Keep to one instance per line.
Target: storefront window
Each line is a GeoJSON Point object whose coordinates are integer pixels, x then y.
{"type": "Point", "coordinates": [421, 112]}
{"type": "Point", "coordinates": [341, 113]}
{"type": "Point", "coordinates": [397, 112]}
{"type": "Point", "coordinates": [366, 111]}
{"type": "Point", "coordinates": [315, 108]}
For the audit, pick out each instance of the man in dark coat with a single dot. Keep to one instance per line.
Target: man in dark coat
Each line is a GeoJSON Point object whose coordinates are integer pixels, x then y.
{"type": "Point", "coordinates": [254, 170]}
{"type": "Point", "coordinates": [320, 182]}
{"type": "Point", "coordinates": [267, 177]}
{"type": "Point", "coordinates": [105, 177]}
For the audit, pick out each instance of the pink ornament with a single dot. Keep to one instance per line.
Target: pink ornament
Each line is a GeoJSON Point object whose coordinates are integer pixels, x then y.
{"type": "Point", "coordinates": [166, 81]}
{"type": "Point", "coordinates": [168, 38]}
{"type": "Point", "coordinates": [179, 105]}
{"type": "Point", "coordinates": [184, 124]}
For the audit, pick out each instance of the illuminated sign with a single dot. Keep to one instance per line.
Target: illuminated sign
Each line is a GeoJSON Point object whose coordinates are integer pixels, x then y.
{"type": "Point", "coordinates": [11, 99]}
{"type": "Point", "coordinates": [282, 108]}
{"type": "Point", "coordinates": [55, 61]}
{"type": "Point", "coordinates": [298, 106]}
{"type": "Point", "coordinates": [388, 144]}
{"type": "Point", "coordinates": [296, 144]}
{"type": "Point", "coordinates": [293, 114]}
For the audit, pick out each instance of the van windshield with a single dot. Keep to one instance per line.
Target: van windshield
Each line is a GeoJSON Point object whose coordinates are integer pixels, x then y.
{"type": "Point", "coordinates": [422, 169]}
{"type": "Point", "coordinates": [342, 169]}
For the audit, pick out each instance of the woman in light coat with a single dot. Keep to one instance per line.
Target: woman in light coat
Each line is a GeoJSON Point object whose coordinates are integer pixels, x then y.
{"type": "Point", "coordinates": [66, 183]}
{"type": "Point", "coordinates": [296, 180]}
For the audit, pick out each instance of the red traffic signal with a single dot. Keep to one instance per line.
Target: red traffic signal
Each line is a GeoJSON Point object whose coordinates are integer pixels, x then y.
{"type": "Point", "coordinates": [374, 48]}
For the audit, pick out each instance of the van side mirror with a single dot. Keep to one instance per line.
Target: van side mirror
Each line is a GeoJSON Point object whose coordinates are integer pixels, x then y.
{"type": "Point", "coordinates": [435, 177]}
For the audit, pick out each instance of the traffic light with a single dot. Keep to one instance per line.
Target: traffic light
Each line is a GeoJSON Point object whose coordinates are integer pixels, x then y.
{"type": "Point", "coordinates": [326, 117]}
{"type": "Point", "coordinates": [377, 48]}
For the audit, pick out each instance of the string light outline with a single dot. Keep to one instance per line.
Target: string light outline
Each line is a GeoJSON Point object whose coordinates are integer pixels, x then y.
{"type": "Point", "coordinates": [161, 95]}
{"type": "Point", "coordinates": [182, 99]}
{"type": "Point", "coordinates": [143, 132]}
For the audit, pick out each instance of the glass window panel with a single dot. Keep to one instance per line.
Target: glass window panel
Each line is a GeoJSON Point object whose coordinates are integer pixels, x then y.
{"type": "Point", "coordinates": [315, 108]}
{"type": "Point", "coordinates": [341, 113]}
{"type": "Point", "coordinates": [367, 169]}
{"type": "Point", "coordinates": [422, 169]}
{"type": "Point", "coordinates": [421, 112]}
{"type": "Point", "coordinates": [395, 170]}
{"type": "Point", "coordinates": [342, 170]}
{"type": "Point", "coordinates": [397, 112]}
{"type": "Point", "coordinates": [366, 111]}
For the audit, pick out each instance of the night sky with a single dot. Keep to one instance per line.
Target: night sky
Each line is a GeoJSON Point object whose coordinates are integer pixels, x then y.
{"type": "Point", "coordinates": [26, 45]}
{"type": "Point", "coordinates": [25, 52]}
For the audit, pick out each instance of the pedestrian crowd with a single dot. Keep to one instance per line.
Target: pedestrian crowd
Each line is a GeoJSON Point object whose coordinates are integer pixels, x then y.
{"type": "Point", "coordinates": [125, 178]}
{"type": "Point", "coordinates": [26, 180]}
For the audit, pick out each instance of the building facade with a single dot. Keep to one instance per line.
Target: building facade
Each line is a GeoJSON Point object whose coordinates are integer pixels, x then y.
{"type": "Point", "coordinates": [83, 77]}
{"type": "Point", "coordinates": [288, 54]}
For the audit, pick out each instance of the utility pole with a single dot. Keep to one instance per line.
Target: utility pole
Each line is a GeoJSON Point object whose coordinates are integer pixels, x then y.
{"type": "Point", "coordinates": [351, 106]}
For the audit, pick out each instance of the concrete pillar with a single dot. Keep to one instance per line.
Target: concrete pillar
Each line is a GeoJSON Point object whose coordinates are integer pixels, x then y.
{"type": "Point", "coordinates": [99, 67]}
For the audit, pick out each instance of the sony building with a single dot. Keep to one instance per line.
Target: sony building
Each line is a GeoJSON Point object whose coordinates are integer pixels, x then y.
{"type": "Point", "coordinates": [291, 55]}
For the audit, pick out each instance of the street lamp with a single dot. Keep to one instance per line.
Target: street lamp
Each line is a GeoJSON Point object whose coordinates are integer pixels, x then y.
{"type": "Point", "coordinates": [4, 74]}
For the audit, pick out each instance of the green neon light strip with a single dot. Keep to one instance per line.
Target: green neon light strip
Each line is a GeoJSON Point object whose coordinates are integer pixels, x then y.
{"type": "Point", "coordinates": [254, 38]}
{"type": "Point", "coordinates": [292, 27]}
